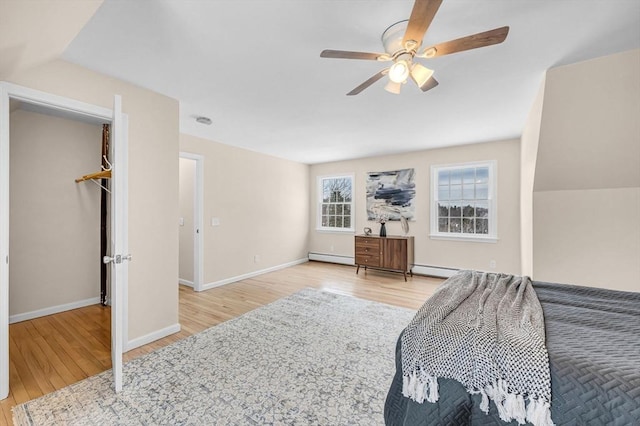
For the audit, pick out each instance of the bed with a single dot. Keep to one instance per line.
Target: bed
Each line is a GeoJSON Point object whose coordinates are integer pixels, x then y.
{"type": "Point", "coordinates": [593, 341]}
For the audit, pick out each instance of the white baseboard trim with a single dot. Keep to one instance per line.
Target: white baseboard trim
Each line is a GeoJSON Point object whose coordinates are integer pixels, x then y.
{"type": "Point", "coordinates": [252, 274]}
{"type": "Point", "coordinates": [151, 337]}
{"type": "Point", "coordinates": [185, 282]}
{"type": "Point", "coordinates": [332, 258]}
{"type": "Point", "coordinates": [53, 310]}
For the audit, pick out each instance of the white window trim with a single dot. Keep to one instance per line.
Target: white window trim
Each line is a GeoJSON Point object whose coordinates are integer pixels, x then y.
{"type": "Point", "coordinates": [492, 237]}
{"type": "Point", "coordinates": [319, 227]}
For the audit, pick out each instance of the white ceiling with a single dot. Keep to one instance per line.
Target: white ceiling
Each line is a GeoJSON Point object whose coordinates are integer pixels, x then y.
{"type": "Point", "coordinates": [254, 68]}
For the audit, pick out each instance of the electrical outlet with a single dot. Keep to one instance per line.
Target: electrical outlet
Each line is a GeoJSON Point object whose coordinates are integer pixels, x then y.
{"type": "Point", "coordinates": [331, 248]}
{"type": "Point", "coordinates": [492, 264]}
{"type": "Point", "coordinates": [256, 258]}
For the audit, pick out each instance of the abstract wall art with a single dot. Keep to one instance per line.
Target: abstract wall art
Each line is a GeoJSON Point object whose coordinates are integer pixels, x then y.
{"type": "Point", "coordinates": [391, 194]}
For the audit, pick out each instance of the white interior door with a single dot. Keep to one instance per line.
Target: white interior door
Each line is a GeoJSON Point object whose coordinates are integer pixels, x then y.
{"type": "Point", "coordinates": [118, 259]}
{"type": "Point", "coordinates": [4, 243]}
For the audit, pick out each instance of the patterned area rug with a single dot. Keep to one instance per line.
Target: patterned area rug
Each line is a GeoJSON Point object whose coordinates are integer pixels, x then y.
{"type": "Point", "coordinates": [313, 358]}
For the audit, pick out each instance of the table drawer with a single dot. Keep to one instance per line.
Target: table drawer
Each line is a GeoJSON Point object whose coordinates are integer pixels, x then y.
{"type": "Point", "coordinates": [365, 259]}
{"type": "Point", "coordinates": [367, 242]}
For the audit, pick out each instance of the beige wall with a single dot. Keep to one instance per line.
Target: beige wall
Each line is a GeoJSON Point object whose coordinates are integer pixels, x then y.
{"type": "Point", "coordinates": [262, 204]}
{"type": "Point", "coordinates": [429, 252]}
{"type": "Point", "coordinates": [186, 226]}
{"type": "Point", "coordinates": [528, 156]}
{"type": "Point", "coordinates": [586, 205]}
{"type": "Point", "coordinates": [153, 185]}
{"type": "Point", "coordinates": [588, 237]}
{"type": "Point", "coordinates": [54, 222]}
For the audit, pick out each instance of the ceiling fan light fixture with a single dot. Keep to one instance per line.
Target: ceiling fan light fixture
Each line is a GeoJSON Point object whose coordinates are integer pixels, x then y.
{"type": "Point", "coordinates": [420, 74]}
{"type": "Point", "coordinates": [393, 87]}
{"type": "Point", "coordinates": [399, 71]}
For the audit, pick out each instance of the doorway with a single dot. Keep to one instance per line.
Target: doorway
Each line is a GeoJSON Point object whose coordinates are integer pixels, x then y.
{"type": "Point", "coordinates": [69, 108]}
{"type": "Point", "coordinates": [190, 220]}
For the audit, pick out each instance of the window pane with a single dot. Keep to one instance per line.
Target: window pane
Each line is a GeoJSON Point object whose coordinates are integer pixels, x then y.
{"type": "Point", "coordinates": [468, 210]}
{"type": "Point", "coordinates": [456, 192]}
{"type": "Point", "coordinates": [455, 210]}
{"type": "Point", "coordinates": [456, 176]}
{"type": "Point", "coordinates": [482, 191]}
{"type": "Point", "coordinates": [467, 192]}
{"type": "Point", "coordinates": [468, 175]}
{"type": "Point", "coordinates": [467, 226]}
{"type": "Point", "coordinates": [335, 203]}
{"type": "Point", "coordinates": [443, 177]}
{"type": "Point", "coordinates": [463, 203]}
{"type": "Point", "coordinates": [482, 226]}
{"type": "Point", "coordinates": [482, 175]}
{"type": "Point", "coordinates": [443, 193]}
{"type": "Point", "coordinates": [443, 210]}
{"type": "Point", "coordinates": [482, 209]}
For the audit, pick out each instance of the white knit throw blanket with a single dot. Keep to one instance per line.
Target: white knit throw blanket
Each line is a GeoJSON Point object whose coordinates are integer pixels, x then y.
{"type": "Point", "coordinates": [485, 331]}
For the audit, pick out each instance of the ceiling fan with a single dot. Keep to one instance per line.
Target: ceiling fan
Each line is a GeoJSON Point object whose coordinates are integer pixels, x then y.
{"type": "Point", "coordinates": [402, 43]}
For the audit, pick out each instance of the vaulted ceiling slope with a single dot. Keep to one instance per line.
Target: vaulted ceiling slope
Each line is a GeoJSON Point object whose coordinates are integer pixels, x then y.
{"type": "Point", "coordinates": [254, 68]}
{"type": "Point", "coordinates": [34, 32]}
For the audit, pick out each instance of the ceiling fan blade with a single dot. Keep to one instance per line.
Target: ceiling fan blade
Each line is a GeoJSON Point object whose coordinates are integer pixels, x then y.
{"type": "Point", "coordinates": [344, 54]}
{"type": "Point", "coordinates": [474, 41]}
{"type": "Point", "coordinates": [369, 82]}
{"type": "Point", "coordinates": [421, 16]}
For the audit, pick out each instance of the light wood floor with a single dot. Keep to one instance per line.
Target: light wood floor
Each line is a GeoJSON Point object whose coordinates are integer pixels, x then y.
{"type": "Point", "coordinates": [52, 352]}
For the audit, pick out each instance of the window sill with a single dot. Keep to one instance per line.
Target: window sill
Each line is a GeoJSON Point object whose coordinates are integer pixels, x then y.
{"type": "Point", "coordinates": [336, 230]}
{"type": "Point", "coordinates": [468, 238]}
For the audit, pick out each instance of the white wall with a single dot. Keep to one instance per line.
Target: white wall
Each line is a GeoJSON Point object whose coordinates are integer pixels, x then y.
{"type": "Point", "coordinates": [153, 185]}
{"type": "Point", "coordinates": [186, 226]}
{"type": "Point", "coordinates": [585, 203]}
{"type": "Point", "coordinates": [54, 236]}
{"type": "Point", "coordinates": [262, 204]}
{"type": "Point", "coordinates": [430, 252]}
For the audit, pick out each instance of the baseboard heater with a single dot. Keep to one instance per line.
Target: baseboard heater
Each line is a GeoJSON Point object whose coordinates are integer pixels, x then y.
{"type": "Point", "coordinates": [433, 271]}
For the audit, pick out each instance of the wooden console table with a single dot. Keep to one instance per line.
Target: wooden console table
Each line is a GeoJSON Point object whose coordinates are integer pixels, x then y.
{"type": "Point", "coordinates": [390, 253]}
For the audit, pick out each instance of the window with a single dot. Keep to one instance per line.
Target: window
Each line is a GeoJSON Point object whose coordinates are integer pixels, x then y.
{"type": "Point", "coordinates": [335, 203]}
{"type": "Point", "coordinates": [463, 202]}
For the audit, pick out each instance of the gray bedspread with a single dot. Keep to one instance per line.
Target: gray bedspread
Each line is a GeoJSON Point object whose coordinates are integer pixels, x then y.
{"type": "Point", "coordinates": [593, 340]}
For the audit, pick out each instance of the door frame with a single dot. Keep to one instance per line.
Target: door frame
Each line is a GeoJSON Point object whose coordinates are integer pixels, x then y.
{"type": "Point", "coordinates": [198, 202]}
{"type": "Point", "coordinates": [69, 108]}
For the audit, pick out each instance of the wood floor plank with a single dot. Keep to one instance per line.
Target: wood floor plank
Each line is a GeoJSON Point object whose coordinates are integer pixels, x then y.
{"type": "Point", "coordinates": [52, 352]}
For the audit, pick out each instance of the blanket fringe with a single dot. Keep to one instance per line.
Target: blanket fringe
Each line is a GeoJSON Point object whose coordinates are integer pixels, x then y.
{"type": "Point", "coordinates": [420, 387]}
{"type": "Point", "coordinates": [511, 406]}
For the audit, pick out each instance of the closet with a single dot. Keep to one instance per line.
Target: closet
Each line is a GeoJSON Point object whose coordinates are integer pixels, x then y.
{"type": "Point", "coordinates": [55, 222]}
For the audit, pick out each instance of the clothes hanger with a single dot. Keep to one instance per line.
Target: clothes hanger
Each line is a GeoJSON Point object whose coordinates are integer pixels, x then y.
{"type": "Point", "coordinates": [105, 173]}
